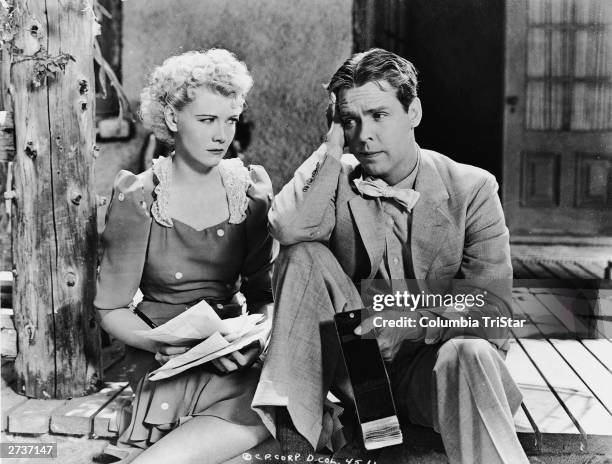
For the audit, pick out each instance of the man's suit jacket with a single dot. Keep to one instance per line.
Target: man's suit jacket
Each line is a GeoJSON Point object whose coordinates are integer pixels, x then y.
{"type": "Point", "coordinates": [458, 229]}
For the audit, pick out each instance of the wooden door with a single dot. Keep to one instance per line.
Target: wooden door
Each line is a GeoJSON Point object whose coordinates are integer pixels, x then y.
{"type": "Point", "coordinates": [558, 117]}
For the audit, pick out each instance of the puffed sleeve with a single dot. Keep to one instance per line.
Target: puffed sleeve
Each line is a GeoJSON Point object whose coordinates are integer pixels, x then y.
{"type": "Point", "coordinates": [124, 243]}
{"type": "Point", "coordinates": [261, 247]}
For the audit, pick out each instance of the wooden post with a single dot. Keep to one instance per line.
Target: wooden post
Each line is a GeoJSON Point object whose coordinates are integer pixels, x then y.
{"type": "Point", "coordinates": [54, 212]}
{"type": "Point", "coordinates": [7, 139]}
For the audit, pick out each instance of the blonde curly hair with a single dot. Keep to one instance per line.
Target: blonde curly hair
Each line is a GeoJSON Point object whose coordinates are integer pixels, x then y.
{"type": "Point", "coordinates": [173, 84]}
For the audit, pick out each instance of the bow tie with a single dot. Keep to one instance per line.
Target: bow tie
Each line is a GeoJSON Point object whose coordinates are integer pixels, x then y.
{"type": "Point", "coordinates": [378, 188]}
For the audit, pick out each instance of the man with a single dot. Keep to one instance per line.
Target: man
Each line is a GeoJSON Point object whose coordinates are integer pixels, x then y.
{"type": "Point", "coordinates": [395, 212]}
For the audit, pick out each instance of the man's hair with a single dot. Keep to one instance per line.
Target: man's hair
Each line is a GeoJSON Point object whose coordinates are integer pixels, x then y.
{"type": "Point", "coordinates": [377, 65]}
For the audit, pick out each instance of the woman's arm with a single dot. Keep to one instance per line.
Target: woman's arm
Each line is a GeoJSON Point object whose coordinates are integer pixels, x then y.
{"type": "Point", "coordinates": [121, 324]}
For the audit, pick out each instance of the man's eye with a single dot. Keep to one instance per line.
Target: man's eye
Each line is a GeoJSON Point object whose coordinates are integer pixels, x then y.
{"type": "Point", "coordinates": [379, 116]}
{"type": "Point", "coordinates": [348, 123]}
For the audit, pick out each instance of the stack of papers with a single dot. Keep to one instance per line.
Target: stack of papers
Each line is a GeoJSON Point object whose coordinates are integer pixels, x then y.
{"type": "Point", "coordinates": [211, 336]}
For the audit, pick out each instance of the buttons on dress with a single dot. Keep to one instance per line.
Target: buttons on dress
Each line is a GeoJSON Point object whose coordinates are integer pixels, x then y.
{"type": "Point", "coordinates": [219, 306]}
{"type": "Point", "coordinates": [121, 196]}
{"type": "Point", "coordinates": [164, 406]}
{"type": "Point", "coordinates": [220, 232]}
{"type": "Point", "coordinates": [178, 275]}
{"type": "Point", "coordinates": [395, 260]}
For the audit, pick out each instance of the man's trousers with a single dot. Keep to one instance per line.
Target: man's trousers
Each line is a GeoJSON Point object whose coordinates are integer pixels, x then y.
{"type": "Point", "coordinates": [461, 388]}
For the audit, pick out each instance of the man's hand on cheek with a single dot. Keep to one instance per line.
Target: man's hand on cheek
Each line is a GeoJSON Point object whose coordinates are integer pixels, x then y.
{"type": "Point", "coordinates": [392, 328]}
{"type": "Point", "coordinates": [334, 139]}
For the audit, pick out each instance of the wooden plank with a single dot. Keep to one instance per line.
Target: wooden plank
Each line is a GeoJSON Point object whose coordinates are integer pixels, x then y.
{"type": "Point", "coordinates": [558, 431]}
{"type": "Point", "coordinates": [8, 343]}
{"type": "Point", "coordinates": [592, 267]}
{"type": "Point", "coordinates": [529, 330]}
{"type": "Point", "coordinates": [522, 423]}
{"type": "Point", "coordinates": [592, 373]}
{"type": "Point", "coordinates": [114, 416]}
{"type": "Point", "coordinates": [33, 416]}
{"type": "Point", "coordinates": [601, 349]}
{"type": "Point", "coordinates": [6, 318]}
{"type": "Point", "coordinates": [76, 416]}
{"type": "Point", "coordinates": [527, 305]}
{"type": "Point", "coordinates": [580, 315]}
{"type": "Point", "coordinates": [602, 314]}
{"type": "Point", "coordinates": [581, 403]}
{"type": "Point", "coordinates": [10, 400]}
{"type": "Point", "coordinates": [576, 271]}
{"type": "Point", "coordinates": [536, 271]}
{"type": "Point", "coordinates": [529, 437]}
{"type": "Point", "coordinates": [520, 271]}
{"type": "Point", "coordinates": [554, 269]}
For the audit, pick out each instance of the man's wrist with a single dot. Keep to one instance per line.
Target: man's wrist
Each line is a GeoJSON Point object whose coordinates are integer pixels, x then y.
{"type": "Point", "coordinates": [333, 149]}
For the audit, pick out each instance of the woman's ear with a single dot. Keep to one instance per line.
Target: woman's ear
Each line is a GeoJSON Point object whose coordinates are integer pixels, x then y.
{"type": "Point", "coordinates": [415, 112]}
{"type": "Point", "coordinates": [170, 117]}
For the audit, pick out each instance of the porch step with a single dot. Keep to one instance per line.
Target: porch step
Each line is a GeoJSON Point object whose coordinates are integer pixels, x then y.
{"type": "Point", "coordinates": [92, 415]}
{"type": "Point", "coordinates": [547, 267]}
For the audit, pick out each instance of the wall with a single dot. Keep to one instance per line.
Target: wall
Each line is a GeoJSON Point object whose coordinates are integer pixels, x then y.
{"type": "Point", "coordinates": [457, 46]}
{"type": "Point", "coordinates": [290, 46]}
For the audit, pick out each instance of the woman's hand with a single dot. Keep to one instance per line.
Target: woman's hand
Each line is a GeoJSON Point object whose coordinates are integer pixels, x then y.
{"type": "Point", "coordinates": [166, 352]}
{"type": "Point", "coordinates": [334, 139]}
{"type": "Point", "coordinates": [238, 360]}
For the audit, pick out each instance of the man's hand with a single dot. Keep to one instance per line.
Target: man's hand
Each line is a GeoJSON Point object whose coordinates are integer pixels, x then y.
{"type": "Point", "coordinates": [166, 352]}
{"type": "Point", "coordinates": [238, 359]}
{"type": "Point", "coordinates": [390, 339]}
{"type": "Point", "coordinates": [334, 139]}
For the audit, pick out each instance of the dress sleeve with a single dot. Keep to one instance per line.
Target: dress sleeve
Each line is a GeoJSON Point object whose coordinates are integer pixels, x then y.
{"type": "Point", "coordinates": [124, 243]}
{"type": "Point", "coordinates": [261, 247]}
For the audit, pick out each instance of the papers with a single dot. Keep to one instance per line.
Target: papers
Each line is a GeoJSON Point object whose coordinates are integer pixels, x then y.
{"type": "Point", "coordinates": [213, 347]}
{"type": "Point", "coordinates": [212, 336]}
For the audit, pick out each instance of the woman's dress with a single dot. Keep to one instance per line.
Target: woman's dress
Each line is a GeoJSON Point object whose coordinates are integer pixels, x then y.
{"type": "Point", "coordinates": [176, 266]}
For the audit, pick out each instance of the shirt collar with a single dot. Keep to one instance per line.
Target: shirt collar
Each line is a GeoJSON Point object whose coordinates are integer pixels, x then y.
{"type": "Point", "coordinates": [408, 181]}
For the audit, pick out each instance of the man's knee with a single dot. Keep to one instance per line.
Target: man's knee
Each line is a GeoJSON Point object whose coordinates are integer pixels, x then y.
{"type": "Point", "coordinates": [465, 353]}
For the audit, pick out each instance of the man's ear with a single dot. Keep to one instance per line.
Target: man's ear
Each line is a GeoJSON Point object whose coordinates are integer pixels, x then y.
{"type": "Point", "coordinates": [415, 112]}
{"type": "Point", "coordinates": [170, 117]}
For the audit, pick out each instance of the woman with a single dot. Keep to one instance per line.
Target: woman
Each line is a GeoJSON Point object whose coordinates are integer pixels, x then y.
{"type": "Point", "coordinates": [191, 228]}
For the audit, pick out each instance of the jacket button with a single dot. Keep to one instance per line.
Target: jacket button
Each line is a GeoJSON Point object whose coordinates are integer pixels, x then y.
{"type": "Point", "coordinates": [178, 275]}
{"type": "Point", "coordinates": [121, 196]}
{"type": "Point", "coordinates": [164, 406]}
{"type": "Point", "coordinates": [220, 232]}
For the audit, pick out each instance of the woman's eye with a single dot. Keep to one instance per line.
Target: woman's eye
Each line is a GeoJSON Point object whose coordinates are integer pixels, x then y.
{"type": "Point", "coordinates": [206, 121]}
{"type": "Point", "coordinates": [233, 122]}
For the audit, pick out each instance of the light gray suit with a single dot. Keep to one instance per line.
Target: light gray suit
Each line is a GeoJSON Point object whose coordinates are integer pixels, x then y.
{"type": "Point", "coordinates": [335, 237]}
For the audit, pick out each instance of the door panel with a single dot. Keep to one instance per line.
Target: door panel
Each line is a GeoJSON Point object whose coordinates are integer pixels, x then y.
{"type": "Point", "coordinates": [558, 117]}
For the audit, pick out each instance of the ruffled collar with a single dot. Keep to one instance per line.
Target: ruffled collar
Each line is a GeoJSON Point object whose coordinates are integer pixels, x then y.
{"type": "Point", "coordinates": [234, 175]}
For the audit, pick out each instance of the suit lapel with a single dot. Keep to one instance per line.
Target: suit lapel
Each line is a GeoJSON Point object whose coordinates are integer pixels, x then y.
{"type": "Point", "coordinates": [430, 217]}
